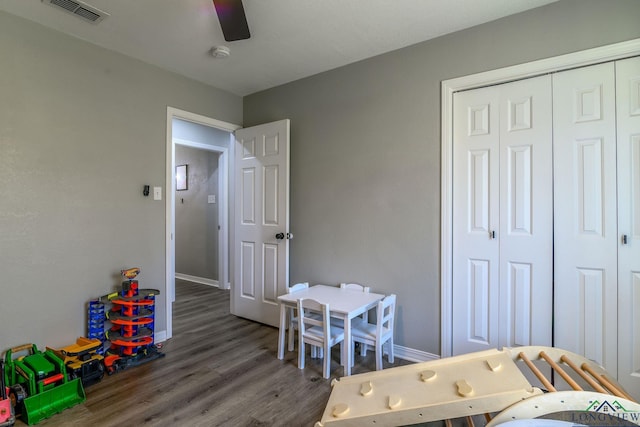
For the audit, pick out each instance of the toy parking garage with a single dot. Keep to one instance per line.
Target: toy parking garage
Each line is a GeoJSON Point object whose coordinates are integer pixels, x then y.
{"type": "Point", "coordinates": [38, 384]}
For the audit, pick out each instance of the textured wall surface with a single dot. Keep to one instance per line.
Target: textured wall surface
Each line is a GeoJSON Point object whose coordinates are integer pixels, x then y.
{"type": "Point", "coordinates": [82, 129]}
{"type": "Point", "coordinates": [365, 151]}
{"type": "Point", "coordinates": [196, 218]}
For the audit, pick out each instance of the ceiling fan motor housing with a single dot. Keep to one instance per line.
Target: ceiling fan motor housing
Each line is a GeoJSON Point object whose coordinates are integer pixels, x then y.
{"type": "Point", "coordinates": [232, 19]}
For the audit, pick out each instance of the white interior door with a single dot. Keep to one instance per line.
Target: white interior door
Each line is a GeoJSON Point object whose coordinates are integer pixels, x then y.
{"type": "Point", "coordinates": [585, 213]}
{"type": "Point", "coordinates": [261, 228]}
{"type": "Point", "coordinates": [502, 207]}
{"type": "Point", "coordinates": [628, 129]}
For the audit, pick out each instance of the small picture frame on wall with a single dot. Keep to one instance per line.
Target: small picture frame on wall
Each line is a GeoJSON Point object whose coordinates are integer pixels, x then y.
{"type": "Point", "coordinates": [181, 178]}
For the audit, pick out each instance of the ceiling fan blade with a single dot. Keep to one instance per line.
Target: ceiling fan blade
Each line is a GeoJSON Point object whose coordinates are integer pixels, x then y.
{"type": "Point", "coordinates": [232, 19]}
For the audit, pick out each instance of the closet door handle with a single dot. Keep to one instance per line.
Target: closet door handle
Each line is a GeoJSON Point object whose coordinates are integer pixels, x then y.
{"type": "Point", "coordinates": [624, 239]}
{"type": "Point", "coordinates": [492, 234]}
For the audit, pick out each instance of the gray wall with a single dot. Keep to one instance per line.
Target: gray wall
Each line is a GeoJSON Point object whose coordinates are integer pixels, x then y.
{"type": "Point", "coordinates": [365, 151]}
{"type": "Point", "coordinates": [82, 129]}
{"type": "Point", "coordinates": [197, 220]}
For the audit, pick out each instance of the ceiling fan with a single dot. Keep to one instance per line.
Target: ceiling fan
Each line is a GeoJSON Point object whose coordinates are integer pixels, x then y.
{"type": "Point", "coordinates": [232, 19]}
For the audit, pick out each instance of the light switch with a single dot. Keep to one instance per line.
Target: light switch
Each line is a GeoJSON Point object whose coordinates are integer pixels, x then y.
{"type": "Point", "coordinates": [157, 193]}
{"type": "Point", "coordinates": [211, 198]}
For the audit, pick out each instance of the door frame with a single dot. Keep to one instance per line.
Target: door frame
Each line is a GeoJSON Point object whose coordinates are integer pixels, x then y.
{"type": "Point", "coordinates": [225, 171]}
{"type": "Point", "coordinates": [502, 75]}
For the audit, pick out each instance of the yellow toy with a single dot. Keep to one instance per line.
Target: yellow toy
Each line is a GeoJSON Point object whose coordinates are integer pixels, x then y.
{"type": "Point", "coordinates": [130, 273]}
{"type": "Point", "coordinates": [82, 360]}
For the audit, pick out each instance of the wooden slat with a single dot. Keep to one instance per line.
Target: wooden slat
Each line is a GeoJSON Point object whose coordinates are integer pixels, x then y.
{"type": "Point", "coordinates": [605, 382]}
{"type": "Point", "coordinates": [574, 385]}
{"type": "Point", "coordinates": [536, 372]}
{"type": "Point", "coordinates": [597, 387]}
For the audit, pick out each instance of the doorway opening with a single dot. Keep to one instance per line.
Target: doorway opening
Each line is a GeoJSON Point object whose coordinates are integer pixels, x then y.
{"type": "Point", "coordinates": [191, 130]}
{"type": "Point", "coordinates": [199, 200]}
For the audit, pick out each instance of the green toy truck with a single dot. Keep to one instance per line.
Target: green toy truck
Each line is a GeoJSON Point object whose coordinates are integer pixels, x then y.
{"type": "Point", "coordinates": [38, 383]}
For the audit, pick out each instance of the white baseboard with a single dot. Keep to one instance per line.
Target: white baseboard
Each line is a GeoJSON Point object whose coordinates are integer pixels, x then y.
{"type": "Point", "coordinates": [196, 279]}
{"type": "Point", "coordinates": [160, 336]}
{"type": "Point", "coordinates": [413, 355]}
{"type": "Point", "coordinates": [405, 353]}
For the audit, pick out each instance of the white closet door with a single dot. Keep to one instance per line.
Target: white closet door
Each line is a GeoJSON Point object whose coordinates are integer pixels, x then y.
{"type": "Point", "coordinates": [585, 213]}
{"type": "Point", "coordinates": [475, 293]}
{"type": "Point", "coordinates": [526, 213]}
{"type": "Point", "coordinates": [628, 118]}
{"type": "Point", "coordinates": [502, 227]}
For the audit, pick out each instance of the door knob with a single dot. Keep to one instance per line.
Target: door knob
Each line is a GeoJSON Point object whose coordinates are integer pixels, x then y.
{"type": "Point", "coordinates": [280, 236]}
{"type": "Point", "coordinates": [624, 239]}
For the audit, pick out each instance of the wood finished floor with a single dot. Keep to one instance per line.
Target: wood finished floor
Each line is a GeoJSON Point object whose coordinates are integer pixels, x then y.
{"type": "Point", "coordinates": [218, 370]}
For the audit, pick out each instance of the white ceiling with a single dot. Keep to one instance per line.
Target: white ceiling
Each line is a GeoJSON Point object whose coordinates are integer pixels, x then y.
{"type": "Point", "coordinates": [290, 39]}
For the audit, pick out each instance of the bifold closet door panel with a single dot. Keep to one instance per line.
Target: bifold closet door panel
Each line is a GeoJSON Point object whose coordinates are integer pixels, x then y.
{"type": "Point", "coordinates": [585, 213]}
{"type": "Point", "coordinates": [502, 225]}
{"type": "Point", "coordinates": [476, 253]}
{"type": "Point", "coordinates": [628, 135]}
{"type": "Point", "coordinates": [526, 213]}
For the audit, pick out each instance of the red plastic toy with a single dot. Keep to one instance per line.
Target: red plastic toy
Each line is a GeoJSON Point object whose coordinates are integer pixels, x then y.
{"type": "Point", "coordinates": [132, 319]}
{"type": "Point", "coordinates": [7, 415]}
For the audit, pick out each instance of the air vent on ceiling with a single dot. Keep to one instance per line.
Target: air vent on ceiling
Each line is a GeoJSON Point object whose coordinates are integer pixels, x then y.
{"type": "Point", "coordinates": [80, 9]}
